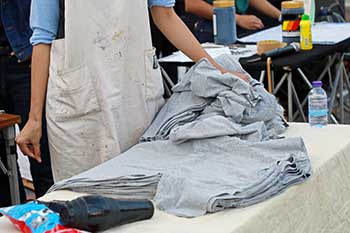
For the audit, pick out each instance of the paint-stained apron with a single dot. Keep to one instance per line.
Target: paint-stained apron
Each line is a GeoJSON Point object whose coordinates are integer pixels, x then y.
{"type": "Point", "coordinates": [105, 85]}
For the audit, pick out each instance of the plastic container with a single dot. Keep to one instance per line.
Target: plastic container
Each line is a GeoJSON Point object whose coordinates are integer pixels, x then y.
{"type": "Point", "coordinates": [224, 22]}
{"type": "Point", "coordinates": [318, 106]}
{"type": "Point", "coordinates": [291, 16]}
{"type": "Point", "coordinates": [310, 9]}
{"type": "Point", "coordinates": [305, 33]}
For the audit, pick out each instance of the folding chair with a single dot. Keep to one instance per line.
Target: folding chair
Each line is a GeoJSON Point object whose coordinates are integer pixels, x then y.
{"type": "Point", "coordinates": [8, 132]}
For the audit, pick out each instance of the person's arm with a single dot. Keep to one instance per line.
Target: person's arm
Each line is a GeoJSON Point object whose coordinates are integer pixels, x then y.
{"type": "Point", "coordinates": [44, 22]}
{"type": "Point", "coordinates": [29, 138]}
{"type": "Point", "coordinates": [266, 7]}
{"type": "Point", "coordinates": [200, 8]}
{"type": "Point", "coordinates": [181, 37]}
{"type": "Point", "coordinates": [205, 10]}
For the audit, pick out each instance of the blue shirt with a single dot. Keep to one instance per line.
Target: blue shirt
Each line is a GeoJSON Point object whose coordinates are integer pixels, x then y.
{"type": "Point", "coordinates": [14, 19]}
{"type": "Point", "coordinates": [45, 16]}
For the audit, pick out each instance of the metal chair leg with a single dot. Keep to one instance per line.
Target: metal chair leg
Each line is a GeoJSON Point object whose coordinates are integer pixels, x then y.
{"type": "Point", "coordinates": [290, 97]}
{"type": "Point", "coordinates": [262, 76]}
{"type": "Point", "coordinates": [9, 136]}
{"type": "Point", "coordinates": [280, 83]}
{"type": "Point", "coordinates": [334, 90]}
{"type": "Point", "coordinates": [341, 97]}
{"type": "Point", "coordinates": [297, 101]}
{"type": "Point", "coordinates": [168, 83]}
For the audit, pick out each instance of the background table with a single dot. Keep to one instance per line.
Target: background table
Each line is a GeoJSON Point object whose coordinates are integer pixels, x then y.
{"type": "Point", "coordinates": [295, 63]}
{"type": "Point", "coordinates": [322, 204]}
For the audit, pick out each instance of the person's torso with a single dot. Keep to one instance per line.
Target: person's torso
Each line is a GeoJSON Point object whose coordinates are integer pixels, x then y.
{"type": "Point", "coordinates": [15, 22]}
{"type": "Point", "coordinates": [104, 70]}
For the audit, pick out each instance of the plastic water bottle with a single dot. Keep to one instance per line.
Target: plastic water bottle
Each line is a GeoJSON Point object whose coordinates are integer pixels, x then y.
{"type": "Point", "coordinates": [305, 33]}
{"type": "Point", "coordinates": [310, 9]}
{"type": "Point", "coordinates": [318, 106]}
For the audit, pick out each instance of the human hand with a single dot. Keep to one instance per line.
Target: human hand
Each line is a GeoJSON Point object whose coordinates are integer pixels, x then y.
{"type": "Point", "coordinates": [242, 76]}
{"type": "Point", "coordinates": [249, 22]}
{"type": "Point", "coordinates": [29, 140]}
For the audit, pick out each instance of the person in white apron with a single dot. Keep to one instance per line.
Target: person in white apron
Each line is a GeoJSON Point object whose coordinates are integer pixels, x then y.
{"type": "Point", "coordinates": [105, 86]}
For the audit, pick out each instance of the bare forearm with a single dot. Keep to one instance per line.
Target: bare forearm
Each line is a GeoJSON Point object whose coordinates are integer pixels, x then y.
{"type": "Point", "coordinates": [265, 7]}
{"type": "Point", "coordinates": [40, 76]}
{"type": "Point", "coordinates": [179, 35]}
{"type": "Point", "coordinates": [199, 8]}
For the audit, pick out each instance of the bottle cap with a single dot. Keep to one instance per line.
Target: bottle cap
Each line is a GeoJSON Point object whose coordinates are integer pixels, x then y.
{"type": "Point", "coordinates": [223, 3]}
{"type": "Point", "coordinates": [292, 4]}
{"type": "Point", "coordinates": [305, 17]}
{"type": "Point", "coordinates": [317, 84]}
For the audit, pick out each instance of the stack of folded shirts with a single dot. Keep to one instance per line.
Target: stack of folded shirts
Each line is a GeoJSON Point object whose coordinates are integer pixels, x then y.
{"type": "Point", "coordinates": [198, 176]}
{"type": "Point", "coordinates": [128, 187]}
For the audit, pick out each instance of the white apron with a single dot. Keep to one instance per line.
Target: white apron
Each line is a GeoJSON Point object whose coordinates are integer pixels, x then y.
{"type": "Point", "coordinates": [105, 86]}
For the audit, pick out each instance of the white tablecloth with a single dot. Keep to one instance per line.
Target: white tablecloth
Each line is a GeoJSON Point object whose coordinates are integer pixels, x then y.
{"type": "Point", "coordinates": [320, 34]}
{"type": "Point", "coordinates": [321, 205]}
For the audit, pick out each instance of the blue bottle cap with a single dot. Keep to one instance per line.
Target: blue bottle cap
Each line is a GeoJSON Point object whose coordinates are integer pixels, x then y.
{"type": "Point", "coordinates": [317, 84]}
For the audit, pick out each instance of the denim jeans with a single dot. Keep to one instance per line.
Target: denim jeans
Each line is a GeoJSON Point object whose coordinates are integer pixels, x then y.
{"type": "Point", "coordinates": [15, 99]}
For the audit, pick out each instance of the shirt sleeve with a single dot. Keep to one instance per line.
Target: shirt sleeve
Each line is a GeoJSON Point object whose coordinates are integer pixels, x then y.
{"type": "Point", "coordinates": [44, 21]}
{"type": "Point", "coordinates": [164, 3]}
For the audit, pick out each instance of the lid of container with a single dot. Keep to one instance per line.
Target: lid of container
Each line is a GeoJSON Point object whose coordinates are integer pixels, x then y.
{"type": "Point", "coordinates": [305, 17]}
{"type": "Point", "coordinates": [292, 4]}
{"type": "Point", "coordinates": [223, 3]}
{"type": "Point", "coordinates": [317, 84]}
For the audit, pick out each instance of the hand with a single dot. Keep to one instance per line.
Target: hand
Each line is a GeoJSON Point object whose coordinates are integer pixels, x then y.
{"type": "Point", "coordinates": [29, 140]}
{"type": "Point", "coordinates": [249, 22]}
{"type": "Point", "coordinates": [242, 76]}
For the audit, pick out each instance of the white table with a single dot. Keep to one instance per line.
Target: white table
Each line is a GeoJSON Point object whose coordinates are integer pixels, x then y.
{"type": "Point", "coordinates": [321, 205]}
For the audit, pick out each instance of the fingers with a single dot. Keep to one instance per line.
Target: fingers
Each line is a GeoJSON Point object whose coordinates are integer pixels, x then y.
{"type": "Point", "coordinates": [242, 76]}
{"type": "Point", "coordinates": [26, 149]}
{"type": "Point", "coordinates": [252, 22]}
{"type": "Point", "coordinates": [29, 140]}
{"type": "Point", "coordinates": [257, 23]}
{"type": "Point", "coordinates": [245, 78]}
{"type": "Point", "coordinates": [37, 152]}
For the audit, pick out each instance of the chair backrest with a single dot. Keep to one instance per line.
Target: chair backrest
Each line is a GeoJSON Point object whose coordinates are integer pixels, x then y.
{"type": "Point", "coordinates": [337, 6]}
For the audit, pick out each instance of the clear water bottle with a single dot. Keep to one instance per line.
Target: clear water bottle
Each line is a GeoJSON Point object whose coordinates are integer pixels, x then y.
{"type": "Point", "coordinates": [318, 106]}
{"type": "Point", "coordinates": [310, 9]}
